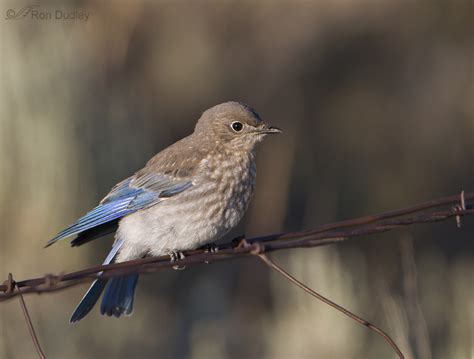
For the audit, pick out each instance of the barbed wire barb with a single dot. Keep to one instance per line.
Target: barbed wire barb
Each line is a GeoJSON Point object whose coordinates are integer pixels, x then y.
{"type": "Point", "coordinates": [461, 207]}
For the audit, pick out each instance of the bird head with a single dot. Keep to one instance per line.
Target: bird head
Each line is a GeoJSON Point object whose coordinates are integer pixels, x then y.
{"type": "Point", "coordinates": [234, 125]}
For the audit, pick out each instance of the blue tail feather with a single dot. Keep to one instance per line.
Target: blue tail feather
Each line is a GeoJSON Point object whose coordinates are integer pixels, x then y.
{"type": "Point", "coordinates": [118, 296]}
{"type": "Point", "coordinates": [89, 300]}
{"type": "Point", "coordinates": [97, 287]}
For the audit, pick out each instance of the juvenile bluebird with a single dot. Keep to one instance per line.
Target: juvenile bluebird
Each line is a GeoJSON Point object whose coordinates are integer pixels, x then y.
{"type": "Point", "coordinates": [187, 196]}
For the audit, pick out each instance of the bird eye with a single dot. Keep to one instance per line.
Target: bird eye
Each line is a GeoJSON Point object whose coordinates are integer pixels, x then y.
{"type": "Point", "coordinates": [237, 126]}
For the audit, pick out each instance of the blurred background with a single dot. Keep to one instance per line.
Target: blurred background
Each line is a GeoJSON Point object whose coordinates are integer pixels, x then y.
{"type": "Point", "coordinates": [376, 101]}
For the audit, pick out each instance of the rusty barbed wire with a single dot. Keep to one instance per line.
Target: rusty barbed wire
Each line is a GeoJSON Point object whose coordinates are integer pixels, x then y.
{"type": "Point", "coordinates": [31, 328]}
{"type": "Point", "coordinates": [271, 264]}
{"type": "Point", "coordinates": [322, 235]}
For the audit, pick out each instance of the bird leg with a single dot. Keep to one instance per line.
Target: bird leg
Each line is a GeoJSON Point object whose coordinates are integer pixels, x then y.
{"type": "Point", "coordinates": [176, 256]}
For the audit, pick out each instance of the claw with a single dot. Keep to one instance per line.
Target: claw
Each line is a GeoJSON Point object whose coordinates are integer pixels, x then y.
{"type": "Point", "coordinates": [176, 256]}
{"type": "Point", "coordinates": [210, 248]}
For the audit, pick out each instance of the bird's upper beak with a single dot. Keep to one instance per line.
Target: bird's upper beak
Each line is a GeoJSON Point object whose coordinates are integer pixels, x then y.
{"type": "Point", "coordinates": [266, 128]}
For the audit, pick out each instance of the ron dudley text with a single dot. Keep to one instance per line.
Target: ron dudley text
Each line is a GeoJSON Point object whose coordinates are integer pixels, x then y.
{"type": "Point", "coordinates": [60, 15]}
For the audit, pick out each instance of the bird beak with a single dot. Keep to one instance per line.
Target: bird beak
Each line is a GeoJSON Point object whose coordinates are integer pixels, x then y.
{"type": "Point", "coordinates": [269, 129]}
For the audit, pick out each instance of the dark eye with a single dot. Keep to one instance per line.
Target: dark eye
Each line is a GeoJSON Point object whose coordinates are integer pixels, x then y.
{"type": "Point", "coordinates": [237, 126]}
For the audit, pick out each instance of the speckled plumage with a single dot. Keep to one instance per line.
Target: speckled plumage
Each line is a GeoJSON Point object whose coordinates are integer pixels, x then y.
{"type": "Point", "coordinates": [222, 186]}
{"type": "Point", "coordinates": [188, 195]}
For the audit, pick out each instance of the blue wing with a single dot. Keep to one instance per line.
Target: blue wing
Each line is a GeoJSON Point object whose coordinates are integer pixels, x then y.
{"type": "Point", "coordinates": [129, 196]}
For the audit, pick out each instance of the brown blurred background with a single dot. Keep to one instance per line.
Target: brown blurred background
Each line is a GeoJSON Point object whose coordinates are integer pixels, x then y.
{"type": "Point", "coordinates": [376, 100]}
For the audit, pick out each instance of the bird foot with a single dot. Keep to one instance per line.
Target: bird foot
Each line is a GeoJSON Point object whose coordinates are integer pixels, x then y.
{"type": "Point", "coordinates": [176, 256]}
{"type": "Point", "coordinates": [210, 248]}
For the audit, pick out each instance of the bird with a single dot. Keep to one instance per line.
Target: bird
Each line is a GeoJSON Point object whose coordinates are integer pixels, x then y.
{"type": "Point", "coordinates": [187, 196]}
